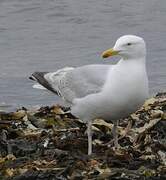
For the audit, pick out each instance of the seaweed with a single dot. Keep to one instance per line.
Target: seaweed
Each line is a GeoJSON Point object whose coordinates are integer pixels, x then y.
{"type": "Point", "coordinates": [50, 143]}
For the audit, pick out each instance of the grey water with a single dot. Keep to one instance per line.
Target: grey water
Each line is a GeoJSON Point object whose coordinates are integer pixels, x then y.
{"type": "Point", "coordinates": [45, 35]}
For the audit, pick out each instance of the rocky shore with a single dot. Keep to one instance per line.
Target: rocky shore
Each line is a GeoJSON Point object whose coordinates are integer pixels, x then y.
{"type": "Point", "coordinates": [49, 143]}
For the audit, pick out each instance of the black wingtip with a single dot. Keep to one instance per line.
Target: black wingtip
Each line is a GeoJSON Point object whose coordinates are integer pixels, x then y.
{"type": "Point", "coordinates": [31, 78]}
{"type": "Point", "coordinates": [39, 77]}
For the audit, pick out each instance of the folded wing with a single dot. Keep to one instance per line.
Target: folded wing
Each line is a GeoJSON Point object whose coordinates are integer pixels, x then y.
{"type": "Point", "coordinates": [70, 83]}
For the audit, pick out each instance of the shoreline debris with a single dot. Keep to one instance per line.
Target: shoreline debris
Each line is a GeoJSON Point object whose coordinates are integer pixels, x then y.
{"type": "Point", "coordinates": [49, 143]}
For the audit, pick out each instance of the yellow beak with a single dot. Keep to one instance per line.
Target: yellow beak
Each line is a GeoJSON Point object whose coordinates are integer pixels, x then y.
{"type": "Point", "coordinates": [109, 52]}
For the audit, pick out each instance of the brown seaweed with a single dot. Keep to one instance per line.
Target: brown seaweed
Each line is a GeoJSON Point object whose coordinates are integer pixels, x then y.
{"type": "Point", "coordinates": [49, 143]}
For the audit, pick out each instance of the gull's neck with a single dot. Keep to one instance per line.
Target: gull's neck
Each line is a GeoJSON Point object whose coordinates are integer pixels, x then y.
{"type": "Point", "coordinates": [125, 61]}
{"type": "Point", "coordinates": [126, 70]}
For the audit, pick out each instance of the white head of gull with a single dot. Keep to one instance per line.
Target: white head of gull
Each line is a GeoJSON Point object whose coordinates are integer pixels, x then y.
{"type": "Point", "coordinates": [110, 92]}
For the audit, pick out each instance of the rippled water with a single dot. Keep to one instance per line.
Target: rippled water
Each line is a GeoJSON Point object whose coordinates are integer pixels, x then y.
{"type": "Point", "coordinates": [49, 34]}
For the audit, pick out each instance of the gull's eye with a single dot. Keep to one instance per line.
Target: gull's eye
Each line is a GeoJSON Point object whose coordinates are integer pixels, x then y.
{"type": "Point", "coordinates": [129, 44]}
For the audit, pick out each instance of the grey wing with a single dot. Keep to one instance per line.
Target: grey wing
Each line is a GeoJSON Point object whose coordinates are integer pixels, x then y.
{"type": "Point", "coordinates": [70, 83]}
{"type": "Point", "coordinates": [82, 81]}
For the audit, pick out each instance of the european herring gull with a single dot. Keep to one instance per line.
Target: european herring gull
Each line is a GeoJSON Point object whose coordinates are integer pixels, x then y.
{"type": "Point", "coordinates": [110, 92]}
